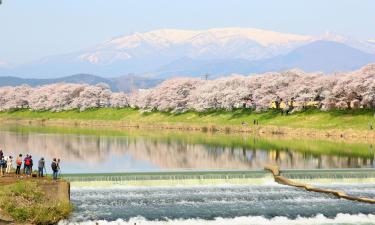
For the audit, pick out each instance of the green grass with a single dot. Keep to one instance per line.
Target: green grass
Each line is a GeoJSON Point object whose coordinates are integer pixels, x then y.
{"type": "Point", "coordinates": [357, 120]}
{"type": "Point", "coordinates": [25, 203]}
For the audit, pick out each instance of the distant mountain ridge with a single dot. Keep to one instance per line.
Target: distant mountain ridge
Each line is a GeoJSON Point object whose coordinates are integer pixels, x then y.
{"type": "Point", "coordinates": [168, 53]}
{"type": "Point", "coordinates": [124, 83]}
{"type": "Point", "coordinates": [324, 56]}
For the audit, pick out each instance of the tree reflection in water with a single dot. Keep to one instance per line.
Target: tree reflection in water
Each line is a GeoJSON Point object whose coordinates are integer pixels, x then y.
{"type": "Point", "coordinates": [169, 153]}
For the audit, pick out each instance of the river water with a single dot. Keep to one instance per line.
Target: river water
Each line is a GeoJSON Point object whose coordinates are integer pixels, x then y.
{"type": "Point", "coordinates": [86, 151]}
{"type": "Point", "coordinates": [99, 151]}
{"type": "Point", "coordinates": [220, 204]}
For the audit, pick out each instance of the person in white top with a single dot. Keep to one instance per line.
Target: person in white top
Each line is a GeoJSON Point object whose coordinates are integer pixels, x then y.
{"type": "Point", "coordinates": [9, 161]}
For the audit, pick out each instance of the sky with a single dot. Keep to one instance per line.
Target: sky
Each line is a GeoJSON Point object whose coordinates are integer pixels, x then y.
{"type": "Point", "coordinates": [32, 29]}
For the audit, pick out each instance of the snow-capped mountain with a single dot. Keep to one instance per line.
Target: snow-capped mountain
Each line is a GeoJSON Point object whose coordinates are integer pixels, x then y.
{"type": "Point", "coordinates": [367, 46]}
{"type": "Point", "coordinates": [321, 55]}
{"type": "Point", "coordinates": [197, 44]}
{"type": "Point", "coordinates": [166, 52]}
{"type": "Point", "coordinates": [218, 43]}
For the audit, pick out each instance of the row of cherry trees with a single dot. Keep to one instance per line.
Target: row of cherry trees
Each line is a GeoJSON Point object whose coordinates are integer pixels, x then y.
{"type": "Point", "coordinates": [294, 88]}
{"type": "Point", "coordinates": [60, 97]}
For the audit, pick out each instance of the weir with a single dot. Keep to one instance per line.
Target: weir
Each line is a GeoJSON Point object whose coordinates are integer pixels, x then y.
{"type": "Point", "coordinates": [279, 178]}
{"type": "Point", "coordinates": [187, 177]}
{"type": "Point", "coordinates": [170, 178]}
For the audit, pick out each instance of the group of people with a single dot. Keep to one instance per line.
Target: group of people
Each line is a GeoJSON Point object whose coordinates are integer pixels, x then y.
{"type": "Point", "coordinates": [7, 163]}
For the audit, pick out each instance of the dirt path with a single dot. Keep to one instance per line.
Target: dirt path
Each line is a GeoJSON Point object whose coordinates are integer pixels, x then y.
{"type": "Point", "coordinates": [12, 178]}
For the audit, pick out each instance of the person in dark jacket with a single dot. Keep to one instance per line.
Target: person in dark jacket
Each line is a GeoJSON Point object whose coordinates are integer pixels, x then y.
{"type": "Point", "coordinates": [27, 165]}
{"type": "Point", "coordinates": [31, 165]}
{"type": "Point", "coordinates": [41, 167]}
{"type": "Point", "coordinates": [54, 168]}
{"type": "Point", "coordinates": [24, 163]}
{"type": "Point", "coordinates": [2, 163]}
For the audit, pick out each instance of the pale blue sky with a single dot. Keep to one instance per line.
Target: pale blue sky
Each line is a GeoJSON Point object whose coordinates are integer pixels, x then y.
{"type": "Point", "coordinates": [31, 29]}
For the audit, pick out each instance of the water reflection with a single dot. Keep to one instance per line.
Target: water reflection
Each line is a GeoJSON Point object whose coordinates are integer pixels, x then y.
{"type": "Point", "coordinates": [85, 153]}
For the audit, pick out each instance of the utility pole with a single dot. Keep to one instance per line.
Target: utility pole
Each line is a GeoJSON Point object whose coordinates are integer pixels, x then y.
{"type": "Point", "coordinates": [206, 75]}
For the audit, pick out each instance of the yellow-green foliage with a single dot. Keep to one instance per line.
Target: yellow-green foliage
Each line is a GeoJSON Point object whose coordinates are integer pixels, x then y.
{"type": "Point", "coordinates": [26, 203]}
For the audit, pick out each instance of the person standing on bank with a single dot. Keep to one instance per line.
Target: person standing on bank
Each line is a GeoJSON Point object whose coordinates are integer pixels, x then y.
{"type": "Point", "coordinates": [24, 163]}
{"type": "Point", "coordinates": [58, 166]}
{"type": "Point", "coordinates": [19, 164]}
{"type": "Point", "coordinates": [27, 165]}
{"type": "Point", "coordinates": [3, 164]}
{"type": "Point", "coordinates": [9, 164]}
{"type": "Point", "coordinates": [54, 168]}
{"type": "Point", "coordinates": [31, 164]}
{"type": "Point", "coordinates": [41, 167]}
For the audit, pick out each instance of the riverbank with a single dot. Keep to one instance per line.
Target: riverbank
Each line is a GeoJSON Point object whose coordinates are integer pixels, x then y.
{"type": "Point", "coordinates": [33, 200]}
{"type": "Point", "coordinates": [344, 124]}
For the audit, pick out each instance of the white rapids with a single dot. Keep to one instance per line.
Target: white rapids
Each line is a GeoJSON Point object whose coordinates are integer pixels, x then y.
{"type": "Point", "coordinates": [218, 204]}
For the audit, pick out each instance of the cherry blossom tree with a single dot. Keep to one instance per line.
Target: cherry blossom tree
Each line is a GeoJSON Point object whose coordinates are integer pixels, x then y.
{"type": "Point", "coordinates": [294, 89]}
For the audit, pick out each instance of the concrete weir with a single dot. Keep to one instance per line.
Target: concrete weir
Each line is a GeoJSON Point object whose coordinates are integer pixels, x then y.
{"type": "Point", "coordinates": [212, 177]}
{"type": "Point", "coordinates": [340, 194]}
{"type": "Point", "coordinates": [169, 178]}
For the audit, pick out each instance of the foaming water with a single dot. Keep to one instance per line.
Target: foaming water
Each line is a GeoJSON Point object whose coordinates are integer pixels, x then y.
{"type": "Point", "coordinates": [340, 219]}
{"type": "Point", "coordinates": [219, 204]}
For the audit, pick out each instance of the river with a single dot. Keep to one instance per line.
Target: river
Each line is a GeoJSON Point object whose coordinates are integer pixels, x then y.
{"type": "Point", "coordinates": [96, 151]}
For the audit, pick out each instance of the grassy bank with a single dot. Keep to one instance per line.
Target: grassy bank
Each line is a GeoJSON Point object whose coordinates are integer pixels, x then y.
{"type": "Point", "coordinates": [26, 202]}
{"type": "Point", "coordinates": [358, 120]}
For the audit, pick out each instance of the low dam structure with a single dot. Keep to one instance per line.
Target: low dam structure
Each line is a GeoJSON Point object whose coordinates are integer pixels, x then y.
{"type": "Point", "coordinates": [179, 177]}
{"type": "Point", "coordinates": [340, 194]}
{"type": "Point", "coordinates": [208, 195]}
{"type": "Point", "coordinates": [244, 177]}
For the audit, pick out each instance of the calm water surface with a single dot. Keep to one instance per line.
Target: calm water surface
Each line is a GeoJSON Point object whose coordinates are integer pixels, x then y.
{"type": "Point", "coordinates": [96, 151]}
{"type": "Point", "coordinates": [84, 152]}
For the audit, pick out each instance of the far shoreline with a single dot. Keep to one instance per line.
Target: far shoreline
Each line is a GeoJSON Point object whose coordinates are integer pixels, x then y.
{"type": "Point", "coordinates": [309, 124]}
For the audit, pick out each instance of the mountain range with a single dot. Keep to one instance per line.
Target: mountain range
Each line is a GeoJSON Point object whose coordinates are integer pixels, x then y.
{"type": "Point", "coordinates": [324, 56]}
{"type": "Point", "coordinates": [123, 83]}
{"type": "Point", "coordinates": [165, 53]}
